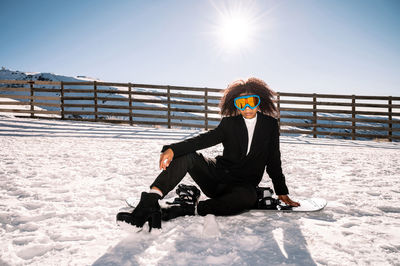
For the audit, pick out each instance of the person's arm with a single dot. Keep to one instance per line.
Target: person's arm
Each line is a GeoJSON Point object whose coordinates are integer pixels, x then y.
{"type": "Point", "coordinates": [274, 165]}
{"type": "Point", "coordinates": [202, 141]}
{"type": "Point", "coordinates": [274, 168]}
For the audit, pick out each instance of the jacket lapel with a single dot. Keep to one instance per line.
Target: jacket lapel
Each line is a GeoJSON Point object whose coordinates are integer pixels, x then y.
{"type": "Point", "coordinates": [242, 136]}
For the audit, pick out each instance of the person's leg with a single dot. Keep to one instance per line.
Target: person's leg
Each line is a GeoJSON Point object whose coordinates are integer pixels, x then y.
{"type": "Point", "coordinates": [204, 173]}
{"type": "Point", "coordinates": [201, 169]}
{"type": "Point", "coordinates": [148, 209]}
{"type": "Point", "coordinates": [232, 201]}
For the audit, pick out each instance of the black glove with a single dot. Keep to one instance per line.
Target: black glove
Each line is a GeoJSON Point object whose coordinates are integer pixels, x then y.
{"type": "Point", "coordinates": [148, 210]}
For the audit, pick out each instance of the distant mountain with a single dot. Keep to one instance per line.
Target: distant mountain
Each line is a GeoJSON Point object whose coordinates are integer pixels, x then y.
{"type": "Point", "coordinates": [7, 74]}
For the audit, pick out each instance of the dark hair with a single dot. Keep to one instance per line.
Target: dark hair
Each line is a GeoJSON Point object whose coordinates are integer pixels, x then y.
{"type": "Point", "coordinates": [249, 86]}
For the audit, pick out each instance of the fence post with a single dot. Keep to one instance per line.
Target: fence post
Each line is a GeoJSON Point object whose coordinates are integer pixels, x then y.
{"type": "Point", "coordinates": [315, 115]}
{"type": "Point", "coordinates": [31, 101]}
{"type": "Point", "coordinates": [130, 104]}
{"type": "Point", "coordinates": [353, 117]}
{"type": "Point", "coordinates": [278, 102]}
{"type": "Point", "coordinates": [169, 106]}
{"type": "Point", "coordinates": [206, 108]}
{"type": "Point", "coordinates": [390, 119]}
{"type": "Point", "coordinates": [62, 99]}
{"type": "Point", "coordinates": [95, 100]}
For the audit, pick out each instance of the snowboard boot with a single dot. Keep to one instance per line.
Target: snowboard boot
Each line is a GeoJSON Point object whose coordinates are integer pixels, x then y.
{"type": "Point", "coordinates": [184, 204]}
{"type": "Point", "coordinates": [263, 192]}
{"type": "Point", "coordinates": [268, 203]}
{"type": "Point", "coordinates": [265, 200]}
{"type": "Point", "coordinates": [148, 210]}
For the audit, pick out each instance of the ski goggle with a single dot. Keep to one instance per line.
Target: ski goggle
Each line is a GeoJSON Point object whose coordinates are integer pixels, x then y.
{"type": "Point", "coordinates": [251, 101]}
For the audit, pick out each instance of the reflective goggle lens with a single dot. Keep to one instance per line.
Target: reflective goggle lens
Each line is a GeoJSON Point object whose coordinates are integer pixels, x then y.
{"type": "Point", "coordinates": [251, 101]}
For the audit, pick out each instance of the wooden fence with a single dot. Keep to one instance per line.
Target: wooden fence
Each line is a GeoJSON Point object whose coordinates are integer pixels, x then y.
{"type": "Point", "coordinates": [347, 116]}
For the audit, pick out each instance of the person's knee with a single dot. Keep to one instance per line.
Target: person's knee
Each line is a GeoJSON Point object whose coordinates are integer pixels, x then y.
{"type": "Point", "coordinates": [191, 158]}
{"type": "Point", "coordinates": [185, 160]}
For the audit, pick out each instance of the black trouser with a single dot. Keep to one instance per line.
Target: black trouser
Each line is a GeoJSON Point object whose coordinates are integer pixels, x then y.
{"type": "Point", "coordinates": [225, 199]}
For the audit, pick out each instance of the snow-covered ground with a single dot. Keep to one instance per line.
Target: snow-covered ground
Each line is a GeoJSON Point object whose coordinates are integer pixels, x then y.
{"type": "Point", "coordinates": [62, 183]}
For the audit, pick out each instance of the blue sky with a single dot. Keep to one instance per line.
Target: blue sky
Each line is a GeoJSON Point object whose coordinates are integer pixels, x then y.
{"type": "Point", "coordinates": [341, 47]}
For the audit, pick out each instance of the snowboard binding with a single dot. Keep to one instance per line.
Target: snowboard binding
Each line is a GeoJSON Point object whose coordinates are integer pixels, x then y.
{"type": "Point", "coordinates": [187, 194]}
{"type": "Point", "coordinates": [265, 201]}
{"type": "Point", "coordinates": [182, 205]}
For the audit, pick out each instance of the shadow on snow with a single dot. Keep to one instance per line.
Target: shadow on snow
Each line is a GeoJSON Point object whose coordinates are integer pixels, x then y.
{"type": "Point", "coordinates": [246, 239]}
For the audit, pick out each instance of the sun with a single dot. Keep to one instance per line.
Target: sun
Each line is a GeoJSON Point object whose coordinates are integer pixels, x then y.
{"type": "Point", "coordinates": [236, 26]}
{"type": "Point", "coordinates": [235, 31]}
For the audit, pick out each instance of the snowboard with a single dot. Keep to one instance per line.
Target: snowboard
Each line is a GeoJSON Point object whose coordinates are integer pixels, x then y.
{"type": "Point", "coordinates": [266, 201]}
{"type": "Point", "coordinates": [306, 205]}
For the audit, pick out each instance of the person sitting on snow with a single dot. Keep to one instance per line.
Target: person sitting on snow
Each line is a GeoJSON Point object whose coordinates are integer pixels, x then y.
{"type": "Point", "coordinates": [249, 134]}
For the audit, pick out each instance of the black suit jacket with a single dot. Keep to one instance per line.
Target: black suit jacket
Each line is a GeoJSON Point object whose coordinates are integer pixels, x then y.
{"type": "Point", "coordinates": [234, 166]}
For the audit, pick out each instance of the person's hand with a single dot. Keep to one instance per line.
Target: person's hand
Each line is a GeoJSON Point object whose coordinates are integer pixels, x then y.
{"type": "Point", "coordinates": [288, 201]}
{"type": "Point", "coordinates": [166, 158]}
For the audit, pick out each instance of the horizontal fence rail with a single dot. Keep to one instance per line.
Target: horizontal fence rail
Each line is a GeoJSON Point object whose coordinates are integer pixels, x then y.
{"type": "Point", "coordinates": [346, 116]}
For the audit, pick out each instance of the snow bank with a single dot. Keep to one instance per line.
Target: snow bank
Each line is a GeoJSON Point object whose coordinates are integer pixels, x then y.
{"type": "Point", "coordinates": [62, 183]}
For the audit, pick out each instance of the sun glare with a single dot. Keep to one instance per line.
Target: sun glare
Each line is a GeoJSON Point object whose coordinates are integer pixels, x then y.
{"type": "Point", "coordinates": [235, 31]}
{"type": "Point", "coordinates": [236, 26]}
